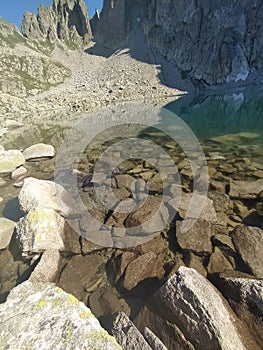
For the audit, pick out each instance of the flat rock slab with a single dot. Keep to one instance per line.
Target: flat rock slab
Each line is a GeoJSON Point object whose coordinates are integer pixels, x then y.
{"type": "Point", "coordinates": [44, 317]}
{"type": "Point", "coordinates": [39, 150]}
{"type": "Point", "coordinates": [6, 231]}
{"type": "Point", "coordinates": [40, 230]}
{"type": "Point", "coordinates": [245, 189]}
{"type": "Point", "coordinates": [248, 241]}
{"type": "Point", "coordinates": [81, 273]}
{"type": "Point", "coordinates": [10, 160]}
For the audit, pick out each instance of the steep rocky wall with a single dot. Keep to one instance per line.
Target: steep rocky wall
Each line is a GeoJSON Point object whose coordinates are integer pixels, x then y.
{"type": "Point", "coordinates": [116, 20]}
{"type": "Point", "coordinates": [209, 41]}
{"type": "Point", "coordinates": [66, 20]}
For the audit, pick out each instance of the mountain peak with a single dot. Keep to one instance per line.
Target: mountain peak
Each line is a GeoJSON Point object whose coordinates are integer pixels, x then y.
{"type": "Point", "coordinates": [65, 20]}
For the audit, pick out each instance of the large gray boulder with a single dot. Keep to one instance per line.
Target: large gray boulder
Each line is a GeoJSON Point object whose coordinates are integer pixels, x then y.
{"type": "Point", "coordinates": [195, 305]}
{"type": "Point", "coordinates": [246, 297]}
{"type": "Point", "coordinates": [48, 195]}
{"type": "Point", "coordinates": [248, 242]}
{"type": "Point", "coordinates": [40, 230]}
{"type": "Point", "coordinates": [44, 317]}
{"type": "Point", "coordinates": [188, 312]}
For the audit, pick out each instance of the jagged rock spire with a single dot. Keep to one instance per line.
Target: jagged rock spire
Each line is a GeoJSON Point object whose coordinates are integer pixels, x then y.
{"type": "Point", "coordinates": [65, 20]}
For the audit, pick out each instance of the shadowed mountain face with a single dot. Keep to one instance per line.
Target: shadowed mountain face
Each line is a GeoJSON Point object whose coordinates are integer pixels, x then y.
{"type": "Point", "coordinates": [211, 42]}
{"type": "Point", "coordinates": [66, 20]}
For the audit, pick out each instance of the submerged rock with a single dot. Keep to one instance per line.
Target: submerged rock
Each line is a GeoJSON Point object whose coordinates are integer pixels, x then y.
{"type": "Point", "coordinates": [246, 189]}
{"type": "Point", "coordinates": [248, 242]}
{"type": "Point", "coordinates": [39, 150]}
{"type": "Point", "coordinates": [42, 316]}
{"type": "Point", "coordinates": [82, 274]}
{"type": "Point", "coordinates": [6, 231]}
{"type": "Point", "coordinates": [197, 238]}
{"type": "Point", "coordinates": [208, 213]}
{"type": "Point", "coordinates": [144, 267]}
{"type": "Point", "coordinates": [10, 160]}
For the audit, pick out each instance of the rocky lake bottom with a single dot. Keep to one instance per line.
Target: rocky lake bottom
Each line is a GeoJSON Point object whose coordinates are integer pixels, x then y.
{"type": "Point", "coordinates": [124, 272]}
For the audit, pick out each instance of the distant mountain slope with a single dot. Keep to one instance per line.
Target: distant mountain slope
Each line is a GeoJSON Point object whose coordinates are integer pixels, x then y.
{"type": "Point", "coordinates": [25, 65]}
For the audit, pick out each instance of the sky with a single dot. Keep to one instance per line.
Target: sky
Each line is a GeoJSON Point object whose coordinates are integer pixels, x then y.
{"type": "Point", "coordinates": [12, 10]}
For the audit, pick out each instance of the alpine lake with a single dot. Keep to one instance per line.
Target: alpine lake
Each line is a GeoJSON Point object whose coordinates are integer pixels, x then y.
{"type": "Point", "coordinates": [229, 127]}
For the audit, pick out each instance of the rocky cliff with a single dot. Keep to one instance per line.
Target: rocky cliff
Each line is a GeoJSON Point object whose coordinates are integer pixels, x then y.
{"type": "Point", "coordinates": [66, 20]}
{"type": "Point", "coordinates": [211, 42]}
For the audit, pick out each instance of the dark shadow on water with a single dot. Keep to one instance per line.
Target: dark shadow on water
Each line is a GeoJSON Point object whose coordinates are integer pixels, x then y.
{"type": "Point", "coordinates": [12, 211]}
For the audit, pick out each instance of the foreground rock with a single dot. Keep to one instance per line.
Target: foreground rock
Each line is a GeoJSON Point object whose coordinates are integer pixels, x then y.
{"type": "Point", "coordinates": [187, 312]}
{"type": "Point", "coordinates": [48, 195]}
{"type": "Point", "coordinates": [39, 150]}
{"type": "Point", "coordinates": [6, 231]}
{"type": "Point", "coordinates": [40, 230]}
{"type": "Point", "coordinates": [47, 268]}
{"type": "Point", "coordinates": [127, 334]}
{"type": "Point", "coordinates": [249, 243]}
{"type": "Point", "coordinates": [154, 342]}
{"type": "Point", "coordinates": [42, 316]}
{"type": "Point", "coordinates": [246, 298]}
{"type": "Point", "coordinates": [10, 160]}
